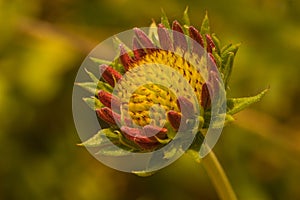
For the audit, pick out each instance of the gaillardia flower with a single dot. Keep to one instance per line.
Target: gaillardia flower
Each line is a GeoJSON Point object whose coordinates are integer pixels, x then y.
{"type": "Point", "coordinates": [169, 82]}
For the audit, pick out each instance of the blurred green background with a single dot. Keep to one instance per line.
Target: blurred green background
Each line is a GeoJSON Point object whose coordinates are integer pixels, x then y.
{"type": "Point", "coordinates": [42, 44]}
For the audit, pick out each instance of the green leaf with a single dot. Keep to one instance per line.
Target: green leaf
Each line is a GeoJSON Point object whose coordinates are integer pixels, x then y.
{"type": "Point", "coordinates": [93, 102]}
{"type": "Point", "coordinates": [165, 20]}
{"type": "Point", "coordinates": [185, 18]}
{"type": "Point", "coordinates": [100, 138]}
{"type": "Point", "coordinates": [235, 105]}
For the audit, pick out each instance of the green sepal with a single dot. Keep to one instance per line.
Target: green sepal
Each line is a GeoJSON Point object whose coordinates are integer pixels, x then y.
{"type": "Point", "coordinates": [194, 149]}
{"type": "Point", "coordinates": [218, 58]}
{"type": "Point", "coordinates": [225, 47]}
{"type": "Point", "coordinates": [164, 20]}
{"type": "Point", "coordinates": [94, 87]}
{"type": "Point", "coordinates": [100, 138]}
{"type": "Point", "coordinates": [92, 76]}
{"type": "Point", "coordinates": [185, 17]}
{"type": "Point", "coordinates": [228, 68]}
{"type": "Point", "coordinates": [229, 48]}
{"type": "Point", "coordinates": [104, 86]}
{"type": "Point", "coordinates": [93, 102]}
{"type": "Point", "coordinates": [143, 173]}
{"type": "Point", "coordinates": [228, 119]}
{"type": "Point", "coordinates": [153, 33]}
{"type": "Point", "coordinates": [186, 21]}
{"type": "Point", "coordinates": [89, 86]}
{"type": "Point", "coordinates": [163, 141]}
{"type": "Point", "coordinates": [234, 105]}
{"type": "Point", "coordinates": [205, 28]}
{"type": "Point", "coordinates": [100, 61]}
{"type": "Point", "coordinates": [172, 152]}
{"type": "Point", "coordinates": [112, 150]}
{"type": "Point", "coordinates": [115, 65]}
{"type": "Point", "coordinates": [217, 43]}
{"type": "Point", "coordinates": [117, 42]}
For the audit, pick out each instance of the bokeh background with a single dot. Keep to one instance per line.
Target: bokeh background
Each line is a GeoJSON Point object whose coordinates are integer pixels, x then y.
{"type": "Point", "coordinates": [42, 44]}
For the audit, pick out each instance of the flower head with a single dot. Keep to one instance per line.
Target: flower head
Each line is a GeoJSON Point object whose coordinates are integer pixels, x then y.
{"type": "Point", "coordinates": [168, 82]}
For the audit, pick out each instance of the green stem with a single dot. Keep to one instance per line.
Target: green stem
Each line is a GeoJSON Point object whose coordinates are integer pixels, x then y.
{"type": "Point", "coordinates": [218, 177]}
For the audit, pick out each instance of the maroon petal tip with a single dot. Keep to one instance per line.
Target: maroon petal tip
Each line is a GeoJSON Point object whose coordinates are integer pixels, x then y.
{"type": "Point", "coordinates": [164, 38]}
{"type": "Point", "coordinates": [138, 50]}
{"type": "Point", "coordinates": [109, 74]}
{"type": "Point", "coordinates": [150, 130]}
{"type": "Point", "coordinates": [186, 107]}
{"type": "Point", "coordinates": [205, 96]}
{"type": "Point", "coordinates": [143, 38]}
{"type": "Point", "coordinates": [195, 35]}
{"type": "Point", "coordinates": [210, 44]}
{"type": "Point", "coordinates": [179, 39]}
{"type": "Point", "coordinates": [125, 58]}
{"type": "Point", "coordinates": [174, 119]}
{"type": "Point", "coordinates": [108, 115]}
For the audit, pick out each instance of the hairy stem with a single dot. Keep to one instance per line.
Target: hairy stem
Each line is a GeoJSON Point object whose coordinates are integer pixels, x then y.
{"type": "Point", "coordinates": [218, 177]}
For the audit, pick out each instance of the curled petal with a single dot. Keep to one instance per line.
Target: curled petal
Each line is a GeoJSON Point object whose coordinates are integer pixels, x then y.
{"type": "Point", "coordinates": [111, 117]}
{"type": "Point", "coordinates": [108, 116]}
{"type": "Point", "coordinates": [108, 100]}
{"type": "Point", "coordinates": [150, 130]}
{"type": "Point", "coordinates": [215, 83]}
{"type": "Point", "coordinates": [212, 64]}
{"type": "Point", "coordinates": [212, 58]}
{"type": "Point", "coordinates": [131, 132]}
{"type": "Point", "coordinates": [210, 44]}
{"type": "Point", "coordinates": [138, 50]}
{"type": "Point", "coordinates": [195, 35]}
{"type": "Point", "coordinates": [143, 38]}
{"type": "Point", "coordinates": [110, 75]}
{"type": "Point", "coordinates": [174, 119]}
{"type": "Point", "coordinates": [125, 59]}
{"type": "Point", "coordinates": [179, 37]}
{"type": "Point", "coordinates": [186, 107]}
{"type": "Point", "coordinates": [205, 96]}
{"type": "Point", "coordinates": [164, 38]}
{"type": "Point", "coordinates": [136, 135]}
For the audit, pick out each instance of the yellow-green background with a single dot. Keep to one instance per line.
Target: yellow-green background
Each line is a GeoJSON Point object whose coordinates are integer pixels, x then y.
{"type": "Point", "coordinates": [42, 44]}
